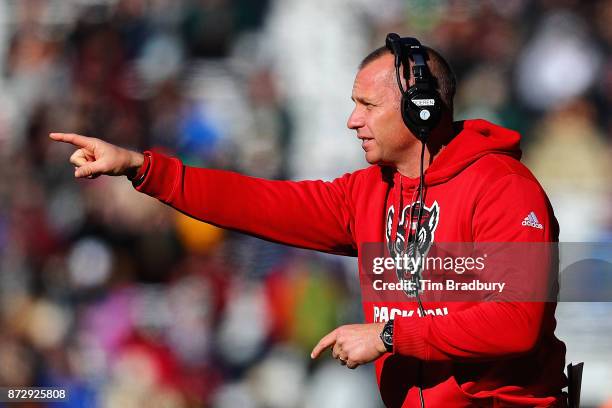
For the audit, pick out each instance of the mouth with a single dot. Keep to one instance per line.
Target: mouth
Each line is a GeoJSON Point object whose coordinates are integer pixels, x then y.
{"type": "Point", "coordinates": [366, 142]}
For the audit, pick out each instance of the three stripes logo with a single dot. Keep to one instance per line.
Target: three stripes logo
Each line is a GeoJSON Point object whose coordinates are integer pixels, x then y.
{"type": "Point", "coordinates": [532, 221]}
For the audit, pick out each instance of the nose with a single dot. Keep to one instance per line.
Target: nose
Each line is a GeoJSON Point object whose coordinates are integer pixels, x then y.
{"type": "Point", "coordinates": [356, 119]}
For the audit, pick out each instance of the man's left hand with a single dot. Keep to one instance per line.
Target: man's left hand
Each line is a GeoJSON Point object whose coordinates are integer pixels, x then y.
{"type": "Point", "coordinates": [353, 344]}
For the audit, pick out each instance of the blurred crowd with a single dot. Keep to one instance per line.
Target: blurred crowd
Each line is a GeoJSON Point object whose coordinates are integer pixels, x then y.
{"type": "Point", "coordinates": [126, 302]}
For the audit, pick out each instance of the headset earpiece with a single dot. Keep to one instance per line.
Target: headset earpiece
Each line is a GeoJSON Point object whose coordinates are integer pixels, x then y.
{"type": "Point", "coordinates": [421, 105]}
{"type": "Point", "coordinates": [420, 111]}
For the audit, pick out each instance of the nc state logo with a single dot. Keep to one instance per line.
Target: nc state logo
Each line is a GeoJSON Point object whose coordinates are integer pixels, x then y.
{"type": "Point", "coordinates": [406, 230]}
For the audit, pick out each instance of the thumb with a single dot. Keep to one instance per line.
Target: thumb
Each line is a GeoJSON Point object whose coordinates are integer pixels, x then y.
{"type": "Point", "coordinates": [92, 169]}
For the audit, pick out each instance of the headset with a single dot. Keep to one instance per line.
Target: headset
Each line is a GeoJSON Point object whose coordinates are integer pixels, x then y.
{"type": "Point", "coordinates": [421, 106]}
{"type": "Point", "coordinates": [421, 110]}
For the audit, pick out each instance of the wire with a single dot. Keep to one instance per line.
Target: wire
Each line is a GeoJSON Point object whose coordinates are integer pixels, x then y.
{"type": "Point", "coordinates": [415, 246]}
{"type": "Point", "coordinates": [420, 215]}
{"type": "Point", "coordinates": [422, 137]}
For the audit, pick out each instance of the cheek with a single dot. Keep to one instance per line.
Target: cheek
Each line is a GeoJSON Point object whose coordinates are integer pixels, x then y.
{"type": "Point", "coordinates": [395, 120]}
{"type": "Point", "coordinates": [391, 126]}
{"type": "Point", "coordinates": [383, 121]}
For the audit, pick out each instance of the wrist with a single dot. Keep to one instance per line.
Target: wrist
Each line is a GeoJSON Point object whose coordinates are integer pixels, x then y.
{"type": "Point", "coordinates": [136, 160]}
{"type": "Point", "coordinates": [138, 177]}
{"type": "Point", "coordinates": [386, 337]}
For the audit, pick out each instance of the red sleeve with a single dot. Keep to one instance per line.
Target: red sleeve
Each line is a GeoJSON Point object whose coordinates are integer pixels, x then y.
{"type": "Point", "coordinates": [309, 214]}
{"type": "Point", "coordinates": [490, 329]}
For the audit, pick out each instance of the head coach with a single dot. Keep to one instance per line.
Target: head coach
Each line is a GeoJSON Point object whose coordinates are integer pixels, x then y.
{"type": "Point", "coordinates": [430, 180]}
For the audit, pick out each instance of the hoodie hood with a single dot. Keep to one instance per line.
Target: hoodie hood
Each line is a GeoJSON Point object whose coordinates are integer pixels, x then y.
{"type": "Point", "coordinates": [476, 139]}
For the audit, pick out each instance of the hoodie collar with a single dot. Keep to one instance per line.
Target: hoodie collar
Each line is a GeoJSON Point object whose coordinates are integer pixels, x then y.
{"type": "Point", "coordinates": [476, 138]}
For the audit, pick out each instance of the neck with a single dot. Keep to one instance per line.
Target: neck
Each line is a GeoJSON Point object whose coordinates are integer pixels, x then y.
{"type": "Point", "coordinates": [437, 141]}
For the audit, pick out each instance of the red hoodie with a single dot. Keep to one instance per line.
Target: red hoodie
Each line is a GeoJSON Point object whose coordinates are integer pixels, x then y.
{"type": "Point", "coordinates": [462, 353]}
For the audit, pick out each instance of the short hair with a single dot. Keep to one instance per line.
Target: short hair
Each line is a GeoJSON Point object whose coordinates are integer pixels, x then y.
{"type": "Point", "coordinates": [444, 77]}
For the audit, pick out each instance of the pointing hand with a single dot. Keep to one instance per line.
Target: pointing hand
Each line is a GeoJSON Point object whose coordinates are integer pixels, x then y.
{"type": "Point", "coordinates": [95, 157]}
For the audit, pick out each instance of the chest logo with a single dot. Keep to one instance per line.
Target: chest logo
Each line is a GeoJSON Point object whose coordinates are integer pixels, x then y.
{"type": "Point", "coordinates": [405, 243]}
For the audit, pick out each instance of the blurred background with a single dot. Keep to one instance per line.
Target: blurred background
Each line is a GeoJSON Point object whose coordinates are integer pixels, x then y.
{"type": "Point", "coordinates": [128, 303]}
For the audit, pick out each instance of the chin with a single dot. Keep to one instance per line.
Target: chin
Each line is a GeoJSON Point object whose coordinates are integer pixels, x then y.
{"type": "Point", "coordinates": [372, 158]}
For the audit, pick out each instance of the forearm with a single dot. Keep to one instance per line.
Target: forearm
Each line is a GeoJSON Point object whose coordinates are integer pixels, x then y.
{"type": "Point", "coordinates": [484, 331]}
{"type": "Point", "coordinates": [304, 214]}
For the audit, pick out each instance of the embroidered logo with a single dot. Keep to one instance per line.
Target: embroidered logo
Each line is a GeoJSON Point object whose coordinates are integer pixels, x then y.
{"type": "Point", "coordinates": [532, 221]}
{"type": "Point", "coordinates": [405, 242]}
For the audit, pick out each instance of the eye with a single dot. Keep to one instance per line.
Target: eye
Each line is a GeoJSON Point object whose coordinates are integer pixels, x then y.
{"type": "Point", "coordinates": [369, 106]}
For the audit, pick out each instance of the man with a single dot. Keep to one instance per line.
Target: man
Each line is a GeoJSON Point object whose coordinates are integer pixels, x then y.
{"type": "Point", "coordinates": [476, 190]}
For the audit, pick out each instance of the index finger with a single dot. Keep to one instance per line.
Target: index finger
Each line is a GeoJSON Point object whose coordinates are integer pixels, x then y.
{"type": "Point", "coordinates": [77, 140]}
{"type": "Point", "coordinates": [328, 340]}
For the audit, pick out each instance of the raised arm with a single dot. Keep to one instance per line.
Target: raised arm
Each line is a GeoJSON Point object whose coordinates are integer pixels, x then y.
{"type": "Point", "coordinates": [310, 214]}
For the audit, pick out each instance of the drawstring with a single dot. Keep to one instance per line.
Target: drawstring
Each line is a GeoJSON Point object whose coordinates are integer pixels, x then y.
{"type": "Point", "coordinates": [397, 188]}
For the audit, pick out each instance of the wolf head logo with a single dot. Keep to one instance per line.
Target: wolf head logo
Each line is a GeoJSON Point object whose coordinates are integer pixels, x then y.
{"type": "Point", "coordinates": [406, 243]}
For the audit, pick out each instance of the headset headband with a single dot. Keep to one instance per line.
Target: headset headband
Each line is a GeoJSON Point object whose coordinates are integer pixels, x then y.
{"type": "Point", "coordinates": [404, 48]}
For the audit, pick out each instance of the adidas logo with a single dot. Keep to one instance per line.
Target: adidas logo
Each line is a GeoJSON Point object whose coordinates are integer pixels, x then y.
{"type": "Point", "coordinates": [532, 221]}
